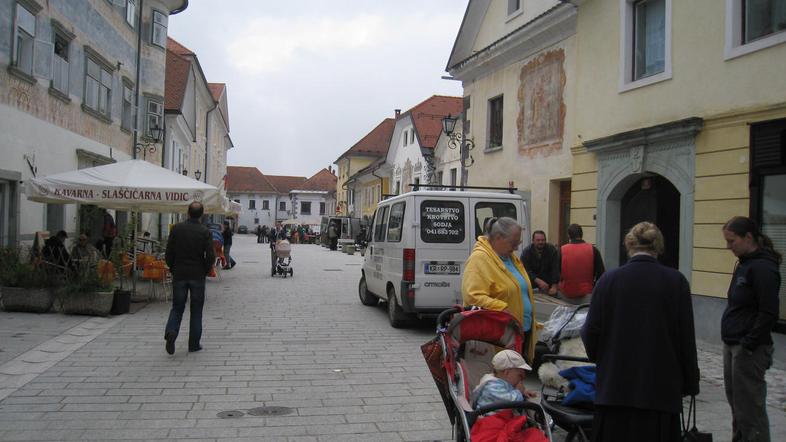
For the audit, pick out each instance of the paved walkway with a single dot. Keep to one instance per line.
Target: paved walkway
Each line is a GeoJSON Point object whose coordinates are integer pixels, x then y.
{"type": "Point", "coordinates": [305, 344]}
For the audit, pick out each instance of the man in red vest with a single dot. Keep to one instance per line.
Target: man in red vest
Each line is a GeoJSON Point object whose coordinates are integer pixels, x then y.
{"type": "Point", "coordinates": [580, 267]}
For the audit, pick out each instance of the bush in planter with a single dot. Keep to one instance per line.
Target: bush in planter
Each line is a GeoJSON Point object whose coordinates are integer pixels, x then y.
{"type": "Point", "coordinates": [86, 293]}
{"type": "Point", "coordinates": [24, 287]}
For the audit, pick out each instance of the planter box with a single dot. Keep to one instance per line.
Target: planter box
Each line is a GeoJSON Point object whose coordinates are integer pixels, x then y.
{"type": "Point", "coordinates": [90, 303]}
{"type": "Point", "coordinates": [121, 303]}
{"type": "Point", "coordinates": [16, 299]}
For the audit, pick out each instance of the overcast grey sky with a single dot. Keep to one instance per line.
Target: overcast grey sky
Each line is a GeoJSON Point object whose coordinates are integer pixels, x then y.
{"type": "Point", "coordinates": [307, 79]}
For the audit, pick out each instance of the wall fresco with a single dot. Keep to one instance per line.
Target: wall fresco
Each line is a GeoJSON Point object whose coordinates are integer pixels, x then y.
{"type": "Point", "coordinates": [541, 117]}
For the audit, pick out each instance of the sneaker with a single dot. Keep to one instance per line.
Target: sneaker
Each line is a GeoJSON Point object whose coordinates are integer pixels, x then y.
{"type": "Point", "coordinates": [170, 337]}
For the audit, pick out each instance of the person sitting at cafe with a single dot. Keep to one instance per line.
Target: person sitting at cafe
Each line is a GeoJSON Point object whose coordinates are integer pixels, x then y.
{"type": "Point", "coordinates": [83, 252]}
{"type": "Point", "coordinates": [55, 253]}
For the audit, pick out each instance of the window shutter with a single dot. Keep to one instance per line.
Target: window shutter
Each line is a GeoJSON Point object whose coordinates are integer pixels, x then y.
{"type": "Point", "coordinates": [42, 57]}
{"type": "Point", "coordinates": [768, 142]}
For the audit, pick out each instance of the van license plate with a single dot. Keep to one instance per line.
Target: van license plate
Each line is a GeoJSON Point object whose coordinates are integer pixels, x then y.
{"type": "Point", "coordinates": [442, 269]}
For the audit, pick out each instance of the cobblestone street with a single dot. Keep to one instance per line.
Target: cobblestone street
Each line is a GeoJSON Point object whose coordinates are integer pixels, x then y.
{"type": "Point", "coordinates": [304, 343]}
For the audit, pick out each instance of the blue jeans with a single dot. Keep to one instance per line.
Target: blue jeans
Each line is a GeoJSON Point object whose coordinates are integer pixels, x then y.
{"type": "Point", "coordinates": [180, 290]}
{"type": "Point", "coordinates": [230, 262]}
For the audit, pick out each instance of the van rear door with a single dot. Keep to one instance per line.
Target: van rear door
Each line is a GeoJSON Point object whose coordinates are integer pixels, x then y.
{"type": "Point", "coordinates": [441, 247]}
{"type": "Point", "coordinates": [485, 208]}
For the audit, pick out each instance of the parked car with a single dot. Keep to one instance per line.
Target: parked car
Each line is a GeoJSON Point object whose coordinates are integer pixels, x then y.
{"type": "Point", "coordinates": [418, 243]}
{"type": "Point", "coordinates": [242, 229]}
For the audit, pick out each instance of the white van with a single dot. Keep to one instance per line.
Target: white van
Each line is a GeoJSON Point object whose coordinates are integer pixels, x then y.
{"type": "Point", "coordinates": [418, 243]}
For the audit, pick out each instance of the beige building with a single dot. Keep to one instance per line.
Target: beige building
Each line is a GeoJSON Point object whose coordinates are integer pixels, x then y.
{"type": "Point", "coordinates": [681, 123]}
{"type": "Point", "coordinates": [516, 62]}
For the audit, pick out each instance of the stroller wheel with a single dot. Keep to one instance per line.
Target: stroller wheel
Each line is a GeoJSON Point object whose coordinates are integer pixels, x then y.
{"type": "Point", "coordinates": [291, 272]}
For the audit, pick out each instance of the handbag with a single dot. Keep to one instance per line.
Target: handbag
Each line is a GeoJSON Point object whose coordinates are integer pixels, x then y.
{"type": "Point", "coordinates": [691, 433]}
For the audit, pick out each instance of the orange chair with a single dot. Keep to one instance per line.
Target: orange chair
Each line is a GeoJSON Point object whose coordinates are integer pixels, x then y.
{"type": "Point", "coordinates": [157, 272]}
{"type": "Point", "coordinates": [220, 262]}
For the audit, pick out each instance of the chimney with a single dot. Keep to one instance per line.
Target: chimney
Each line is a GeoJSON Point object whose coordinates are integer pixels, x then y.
{"type": "Point", "coordinates": [398, 112]}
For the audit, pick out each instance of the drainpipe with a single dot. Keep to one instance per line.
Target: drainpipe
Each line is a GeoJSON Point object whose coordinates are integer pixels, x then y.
{"type": "Point", "coordinates": [138, 76]}
{"type": "Point", "coordinates": [207, 136]}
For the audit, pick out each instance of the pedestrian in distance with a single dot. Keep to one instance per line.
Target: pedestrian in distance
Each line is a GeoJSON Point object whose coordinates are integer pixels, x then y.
{"type": "Point", "coordinates": [580, 266]}
{"type": "Point", "coordinates": [190, 257]}
{"type": "Point", "coordinates": [639, 332]}
{"type": "Point", "coordinates": [541, 261]}
{"type": "Point", "coordinates": [259, 233]}
{"type": "Point", "coordinates": [746, 326]}
{"type": "Point", "coordinates": [226, 234]}
{"type": "Point", "coordinates": [333, 236]}
{"type": "Point", "coordinates": [495, 279]}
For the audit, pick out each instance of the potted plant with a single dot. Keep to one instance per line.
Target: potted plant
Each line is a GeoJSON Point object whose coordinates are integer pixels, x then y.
{"type": "Point", "coordinates": [86, 293]}
{"type": "Point", "coordinates": [24, 287]}
{"type": "Point", "coordinates": [120, 261]}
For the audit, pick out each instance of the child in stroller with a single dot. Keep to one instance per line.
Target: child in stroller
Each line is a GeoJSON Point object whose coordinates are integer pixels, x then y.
{"type": "Point", "coordinates": [281, 258]}
{"type": "Point", "coordinates": [458, 357]}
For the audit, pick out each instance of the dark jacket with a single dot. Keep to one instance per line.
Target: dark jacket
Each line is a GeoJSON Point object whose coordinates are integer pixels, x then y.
{"type": "Point", "coordinates": [545, 266]}
{"type": "Point", "coordinates": [227, 235]}
{"type": "Point", "coordinates": [639, 331]}
{"type": "Point", "coordinates": [55, 252]}
{"type": "Point", "coordinates": [189, 251]}
{"type": "Point", "coordinates": [752, 308]}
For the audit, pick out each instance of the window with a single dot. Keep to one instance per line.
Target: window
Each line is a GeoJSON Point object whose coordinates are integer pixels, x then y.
{"type": "Point", "coordinates": [265, 205]}
{"type": "Point", "coordinates": [484, 211]}
{"type": "Point", "coordinates": [649, 38]}
{"type": "Point", "coordinates": [442, 221]}
{"type": "Point", "coordinates": [752, 25]}
{"type": "Point", "coordinates": [127, 118]}
{"type": "Point", "coordinates": [645, 42]}
{"type": "Point", "coordinates": [98, 86]}
{"type": "Point", "coordinates": [412, 136]}
{"type": "Point", "coordinates": [305, 207]}
{"type": "Point", "coordinates": [155, 115]}
{"type": "Point", "coordinates": [495, 122]}
{"type": "Point", "coordinates": [513, 6]}
{"type": "Point", "coordinates": [282, 205]}
{"type": "Point", "coordinates": [60, 63]}
{"type": "Point", "coordinates": [24, 39]}
{"type": "Point", "coordinates": [322, 208]}
{"type": "Point", "coordinates": [379, 224]}
{"type": "Point", "coordinates": [453, 177]}
{"type": "Point", "coordinates": [768, 179]}
{"type": "Point", "coordinates": [252, 204]}
{"type": "Point", "coordinates": [440, 175]}
{"type": "Point", "coordinates": [131, 12]}
{"type": "Point", "coordinates": [398, 187]}
{"type": "Point", "coordinates": [160, 21]}
{"type": "Point", "coordinates": [256, 220]}
{"type": "Point", "coordinates": [406, 137]}
{"type": "Point", "coordinates": [417, 184]}
{"type": "Point", "coordinates": [395, 222]}
{"type": "Point", "coordinates": [762, 18]}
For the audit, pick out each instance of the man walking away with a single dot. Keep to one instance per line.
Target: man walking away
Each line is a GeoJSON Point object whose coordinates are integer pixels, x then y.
{"type": "Point", "coordinates": [333, 236]}
{"type": "Point", "coordinates": [580, 267]}
{"type": "Point", "coordinates": [190, 256]}
{"type": "Point", "coordinates": [227, 235]}
{"type": "Point", "coordinates": [540, 261]}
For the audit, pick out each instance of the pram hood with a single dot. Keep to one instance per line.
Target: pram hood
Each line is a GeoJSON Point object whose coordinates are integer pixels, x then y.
{"type": "Point", "coordinates": [494, 327]}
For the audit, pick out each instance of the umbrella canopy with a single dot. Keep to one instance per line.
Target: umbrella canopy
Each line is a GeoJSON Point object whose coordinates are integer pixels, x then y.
{"type": "Point", "coordinates": [290, 221]}
{"type": "Point", "coordinates": [127, 185]}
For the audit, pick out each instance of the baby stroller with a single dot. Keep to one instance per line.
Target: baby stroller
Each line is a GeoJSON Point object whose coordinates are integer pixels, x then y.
{"type": "Point", "coordinates": [456, 362]}
{"type": "Point", "coordinates": [561, 334]}
{"type": "Point", "coordinates": [281, 259]}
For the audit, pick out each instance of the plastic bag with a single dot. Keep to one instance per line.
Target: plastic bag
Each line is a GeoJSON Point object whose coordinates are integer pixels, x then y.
{"type": "Point", "coordinates": [565, 322]}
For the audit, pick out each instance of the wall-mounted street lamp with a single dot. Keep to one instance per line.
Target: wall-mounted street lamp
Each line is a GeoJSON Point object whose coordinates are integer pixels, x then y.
{"type": "Point", "coordinates": [198, 174]}
{"type": "Point", "coordinates": [150, 145]}
{"type": "Point", "coordinates": [456, 140]}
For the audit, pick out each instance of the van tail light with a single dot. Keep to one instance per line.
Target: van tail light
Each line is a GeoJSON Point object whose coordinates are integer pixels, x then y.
{"type": "Point", "coordinates": [409, 265]}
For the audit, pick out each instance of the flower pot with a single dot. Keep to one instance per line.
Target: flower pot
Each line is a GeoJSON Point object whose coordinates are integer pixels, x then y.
{"type": "Point", "coordinates": [18, 299]}
{"type": "Point", "coordinates": [121, 303]}
{"type": "Point", "coordinates": [88, 303]}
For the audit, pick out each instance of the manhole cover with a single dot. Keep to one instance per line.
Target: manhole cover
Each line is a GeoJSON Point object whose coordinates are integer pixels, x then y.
{"type": "Point", "coordinates": [333, 270]}
{"type": "Point", "coordinates": [270, 411]}
{"type": "Point", "coordinates": [230, 414]}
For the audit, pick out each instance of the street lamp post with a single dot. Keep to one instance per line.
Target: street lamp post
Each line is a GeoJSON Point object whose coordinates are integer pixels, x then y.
{"type": "Point", "coordinates": [456, 140]}
{"type": "Point", "coordinates": [151, 144]}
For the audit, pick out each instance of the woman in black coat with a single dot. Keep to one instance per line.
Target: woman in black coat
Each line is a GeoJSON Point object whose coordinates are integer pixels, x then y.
{"type": "Point", "coordinates": [639, 331]}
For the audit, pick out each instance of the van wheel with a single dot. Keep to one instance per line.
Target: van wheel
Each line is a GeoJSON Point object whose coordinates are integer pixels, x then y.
{"type": "Point", "coordinates": [366, 298]}
{"type": "Point", "coordinates": [395, 314]}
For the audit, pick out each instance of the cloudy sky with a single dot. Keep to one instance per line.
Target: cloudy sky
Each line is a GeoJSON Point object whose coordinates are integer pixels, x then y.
{"type": "Point", "coordinates": [307, 79]}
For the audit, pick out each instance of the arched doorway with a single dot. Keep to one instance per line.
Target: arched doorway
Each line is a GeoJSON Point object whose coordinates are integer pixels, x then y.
{"type": "Point", "coordinates": [653, 198]}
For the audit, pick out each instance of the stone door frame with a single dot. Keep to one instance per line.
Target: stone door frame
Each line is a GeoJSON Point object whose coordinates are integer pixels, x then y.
{"type": "Point", "coordinates": [670, 151]}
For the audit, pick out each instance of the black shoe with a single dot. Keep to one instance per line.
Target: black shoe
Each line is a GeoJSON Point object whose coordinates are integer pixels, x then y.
{"type": "Point", "coordinates": [233, 265]}
{"type": "Point", "coordinates": [170, 337]}
{"type": "Point", "coordinates": [193, 349]}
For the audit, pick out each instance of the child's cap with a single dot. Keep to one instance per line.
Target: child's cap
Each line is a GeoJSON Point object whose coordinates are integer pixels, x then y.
{"type": "Point", "coordinates": [509, 359]}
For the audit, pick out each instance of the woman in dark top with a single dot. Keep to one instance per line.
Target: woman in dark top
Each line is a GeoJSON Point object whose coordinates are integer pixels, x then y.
{"type": "Point", "coordinates": [750, 315]}
{"type": "Point", "coordinates": [639, 332]}
{"type": "Point", "coordinates": [227, 235]}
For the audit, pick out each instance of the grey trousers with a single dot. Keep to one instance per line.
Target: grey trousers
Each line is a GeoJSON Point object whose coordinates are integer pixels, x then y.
{"type": "Point", "coordinates": [746, 391]}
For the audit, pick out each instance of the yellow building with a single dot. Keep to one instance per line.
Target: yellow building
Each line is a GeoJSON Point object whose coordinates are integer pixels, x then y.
{"type": "Point", "coordinates": [516, 62]}
{"type": "Point", "coordinates": [369, 186]}
{"type": "Point", "coordinates": [371, 147]}
{"type": "Point", "coordinates": [680, 119]}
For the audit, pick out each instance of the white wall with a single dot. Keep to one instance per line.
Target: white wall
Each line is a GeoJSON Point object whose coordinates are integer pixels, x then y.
{"type": "Point", "coordinates": [400, 154]}
{"type": "Point", "coordinates": [247, 216]}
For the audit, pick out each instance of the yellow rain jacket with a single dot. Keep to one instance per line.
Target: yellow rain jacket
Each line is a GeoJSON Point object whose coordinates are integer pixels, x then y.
{"type": "Point", "coordinates": [487, 283]}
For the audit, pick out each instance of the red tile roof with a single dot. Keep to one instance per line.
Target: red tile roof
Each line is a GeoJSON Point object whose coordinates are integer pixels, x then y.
{"type": "Point", "coordinates": [323, 180]}
{"type": "Point", "coordinates": [175, 46]}
{"type": "Point", "coordinates": [176, 79]}
{"type": "Point", "coordinates": [285, 184]}
{"type": "Point", "coordinates": [216, 89]}
{"type": "Point", "coordinates": [247, 179]}
{"type": "Point", "coordinates": [428, 117]}
{"type": "Point", "coordinates": [376, 142]}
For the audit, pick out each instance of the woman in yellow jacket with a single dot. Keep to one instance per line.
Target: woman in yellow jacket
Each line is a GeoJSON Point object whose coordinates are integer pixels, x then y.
{"type": "Point", "coordinates": [495, 279]}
